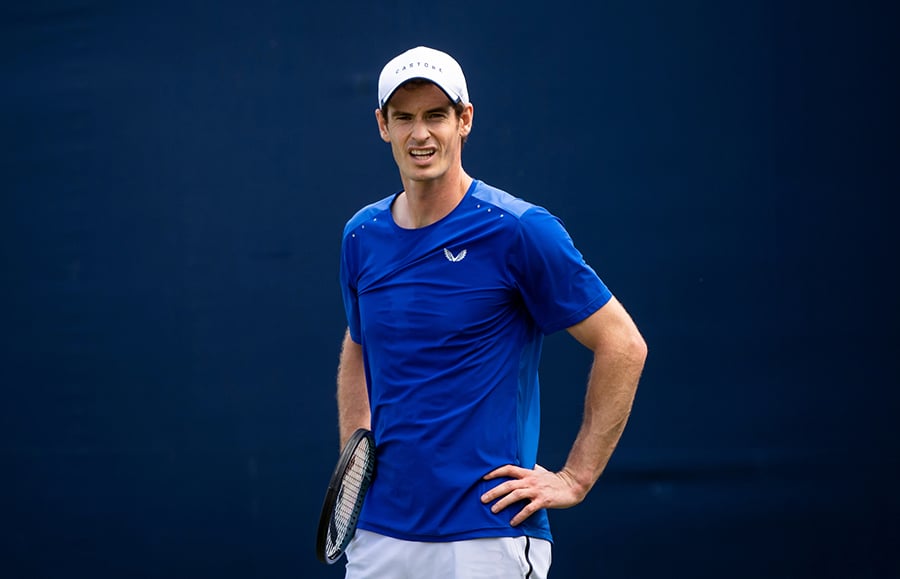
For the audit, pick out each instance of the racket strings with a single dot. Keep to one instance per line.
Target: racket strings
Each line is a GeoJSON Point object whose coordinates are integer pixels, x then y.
{"type": "Point", "coordinates": [354, 484]}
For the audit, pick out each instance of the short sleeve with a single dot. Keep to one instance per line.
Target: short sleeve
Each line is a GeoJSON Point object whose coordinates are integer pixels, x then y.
{"type": "Point", "coordinates": [348, 291]}
{"type": "Point", "coordinates": [558, 287]}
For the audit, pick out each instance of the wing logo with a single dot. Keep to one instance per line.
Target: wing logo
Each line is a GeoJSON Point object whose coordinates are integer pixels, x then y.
{"type": "Point", "coordinates": [454, 258]}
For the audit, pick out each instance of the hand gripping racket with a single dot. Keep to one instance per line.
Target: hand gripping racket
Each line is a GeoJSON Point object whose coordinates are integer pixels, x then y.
{"type": "Point", "coordinates": [344, 499]}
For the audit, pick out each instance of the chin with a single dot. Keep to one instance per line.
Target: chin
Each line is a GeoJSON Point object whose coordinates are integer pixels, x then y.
{"type": "Point", "coordinates": [424, 175]}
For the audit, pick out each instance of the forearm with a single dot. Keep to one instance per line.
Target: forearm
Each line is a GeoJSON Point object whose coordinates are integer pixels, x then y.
{"type": "Point", "coordinates": [610, 393]}
{"type": "Point", "coordinates": [352, 397]}
{"type": "Point", "coordinates": [619, 355]}
{"type": "Point", "coordinates": [607, 406]}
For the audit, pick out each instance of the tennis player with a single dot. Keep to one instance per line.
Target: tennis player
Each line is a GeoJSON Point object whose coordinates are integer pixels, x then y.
{"type": "Point", "coordinates": [449, 286]}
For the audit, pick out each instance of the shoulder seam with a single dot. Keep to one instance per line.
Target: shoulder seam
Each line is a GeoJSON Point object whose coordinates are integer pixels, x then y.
{"type": "Point", "coordinates": [515, 206]}
{"type": "Point", "coordinates": [363, 214]}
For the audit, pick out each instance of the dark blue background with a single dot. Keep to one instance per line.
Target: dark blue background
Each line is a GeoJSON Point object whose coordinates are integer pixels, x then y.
{"type": "Point", "coordinates": [175, 178]}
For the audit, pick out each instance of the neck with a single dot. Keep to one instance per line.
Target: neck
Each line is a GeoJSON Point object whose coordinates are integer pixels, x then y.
{"type": "Point", "coordinates": [425, 202]}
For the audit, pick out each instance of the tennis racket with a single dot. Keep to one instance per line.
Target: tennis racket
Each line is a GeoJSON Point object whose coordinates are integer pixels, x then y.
{"type": "Point", "coordinates": [344, 498]}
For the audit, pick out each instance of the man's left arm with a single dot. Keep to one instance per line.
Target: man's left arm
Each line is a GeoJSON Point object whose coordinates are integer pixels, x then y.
{"type": "Point", "coordinates": [619, 354]}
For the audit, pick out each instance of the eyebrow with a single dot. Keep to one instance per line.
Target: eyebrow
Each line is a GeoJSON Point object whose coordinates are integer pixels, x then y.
{"type": "Point", "coordinates": [441, 109]}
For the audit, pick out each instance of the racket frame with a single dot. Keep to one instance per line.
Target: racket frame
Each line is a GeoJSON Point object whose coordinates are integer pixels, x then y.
{"type": "Point", "coordinates": [333, 492]}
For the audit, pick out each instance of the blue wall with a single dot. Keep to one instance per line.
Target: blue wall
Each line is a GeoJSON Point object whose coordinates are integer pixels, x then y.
{"type": "Point", "coordinates": [175, 178]}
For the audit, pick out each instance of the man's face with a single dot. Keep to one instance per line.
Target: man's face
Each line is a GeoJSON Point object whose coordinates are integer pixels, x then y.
{"type": "Point", "coordinates": [424, 131]}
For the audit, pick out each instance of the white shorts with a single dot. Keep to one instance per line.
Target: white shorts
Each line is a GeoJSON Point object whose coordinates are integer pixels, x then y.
{"type": "Point", "coordinates": [374, 556]}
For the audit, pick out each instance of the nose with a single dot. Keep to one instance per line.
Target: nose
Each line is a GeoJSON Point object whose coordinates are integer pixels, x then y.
{"type": "Point", "coordinates": [420, 130]}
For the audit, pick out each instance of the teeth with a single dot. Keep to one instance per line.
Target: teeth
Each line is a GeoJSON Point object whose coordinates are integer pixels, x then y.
{"type": "Point", "coordinates": [422, 153]}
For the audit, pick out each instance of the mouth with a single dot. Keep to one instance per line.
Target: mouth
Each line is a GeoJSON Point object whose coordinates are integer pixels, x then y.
{"type": "Point", "coordinates": [423, 154]}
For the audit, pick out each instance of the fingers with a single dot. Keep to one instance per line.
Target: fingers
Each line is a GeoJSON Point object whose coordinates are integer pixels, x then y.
{"type": "Point", "coordinates": [534, 489]}
{"type": "Point", "coordinates": [497, 492]}
{"type": "Point", "coordinates": [508, 497]}
{"type": "Point", "coordinates": [509, 471]}
{"type": "Point", "coordinates": [515, 473]}
{"type": "Point", "coordinates": [529, 496]}
{"type": "Point", "coordinates": [525, 487]}
{"type": "Point", "coordinates": [522, 515]}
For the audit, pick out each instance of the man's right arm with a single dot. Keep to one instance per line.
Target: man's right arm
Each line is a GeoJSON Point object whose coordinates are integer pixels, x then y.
{"type": "Point", "coordinates": [352, 397]}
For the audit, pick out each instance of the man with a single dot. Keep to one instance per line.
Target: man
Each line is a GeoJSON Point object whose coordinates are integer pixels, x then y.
{"type": "Point", "coordinates": [449, 286]}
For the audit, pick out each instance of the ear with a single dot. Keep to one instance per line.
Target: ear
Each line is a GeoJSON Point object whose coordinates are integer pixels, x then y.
{"type": "Point", "coordinates": [382, 126]}
{"type": "Point", "coordinates": [465, 120]}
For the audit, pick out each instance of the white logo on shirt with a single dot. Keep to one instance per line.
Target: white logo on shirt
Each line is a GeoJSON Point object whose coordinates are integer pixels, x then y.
{"type": "Point", "coordinates": [450, 257]}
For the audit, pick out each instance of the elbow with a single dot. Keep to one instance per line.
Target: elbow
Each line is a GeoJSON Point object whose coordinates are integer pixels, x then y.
{"type": "Point", "coordinates": [642, 348]}
{"type": "Point", "coordinates": [628, 352]}
{"type": "Point", "coordinates": [636, 348]}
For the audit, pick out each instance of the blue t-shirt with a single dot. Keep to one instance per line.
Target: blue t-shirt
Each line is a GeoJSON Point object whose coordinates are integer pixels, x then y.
{"type": "Point", "coordinates": [451, 319]}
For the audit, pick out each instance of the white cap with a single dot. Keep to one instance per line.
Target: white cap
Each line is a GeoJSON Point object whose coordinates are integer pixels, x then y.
{"type": "Point", "coordinates": [425, 63]}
